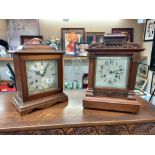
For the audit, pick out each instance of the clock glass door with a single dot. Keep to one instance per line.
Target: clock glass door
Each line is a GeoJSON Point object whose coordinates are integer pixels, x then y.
{"type": "Point", "coordinates": [112, 72]}
{"type": "Point", "coordinates": [41, 76]}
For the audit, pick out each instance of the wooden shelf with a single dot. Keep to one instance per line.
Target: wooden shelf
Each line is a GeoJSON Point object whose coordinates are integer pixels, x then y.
{"type": "Point", "coordinates": [72, 58]}
{"type": "Point", "coordinates": [6, 59]}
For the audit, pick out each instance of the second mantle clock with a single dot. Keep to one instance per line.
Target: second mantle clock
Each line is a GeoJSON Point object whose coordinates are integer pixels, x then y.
{"type": "Point", "coordinates": [39, 78]}
{"type": "Point", "coordinates": [112, 75]}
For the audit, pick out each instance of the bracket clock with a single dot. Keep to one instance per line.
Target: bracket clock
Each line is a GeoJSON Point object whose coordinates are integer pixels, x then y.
{"type": "Point", "coordinates": [39, 78]}
{"type": "Point", "coordinates": [112, 75]}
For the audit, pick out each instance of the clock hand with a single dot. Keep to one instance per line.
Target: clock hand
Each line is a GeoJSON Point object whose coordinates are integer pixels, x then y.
{"type": "Point", "coordinates": [116, 71]}
{"type": "Point", "coordinates": [37, 72]}
{"type": "Point", "coordinates": [45, 70]}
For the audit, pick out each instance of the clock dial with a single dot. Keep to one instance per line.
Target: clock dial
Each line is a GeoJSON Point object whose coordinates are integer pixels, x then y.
{"type": "Point", "coordinates": [112, 72]}
{"type": "Point", "coordinates": [41, 76]}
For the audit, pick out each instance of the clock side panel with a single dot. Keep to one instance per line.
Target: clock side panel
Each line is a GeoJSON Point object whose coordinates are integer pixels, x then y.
{"type": "Point", "coordinates": [133, 70]}
{"type": "Point", "coordinates": [44, 57]}
{"type": "Point", "coordinates": [18, 74]}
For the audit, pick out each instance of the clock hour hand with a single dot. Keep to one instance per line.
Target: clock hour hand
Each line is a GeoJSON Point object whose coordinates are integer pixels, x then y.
{"type": "Point", "coordinates": [37, 72]}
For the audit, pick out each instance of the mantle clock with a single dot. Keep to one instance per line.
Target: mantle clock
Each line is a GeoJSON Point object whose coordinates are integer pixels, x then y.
{"type": "Point", "coordinates": [39, 78]}
{"type": "Point", "coordinates": [112, 75]}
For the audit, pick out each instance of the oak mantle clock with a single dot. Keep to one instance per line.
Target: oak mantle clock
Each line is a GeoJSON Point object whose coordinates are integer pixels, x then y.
{"type": "Point", "coordinates": [112, 75]}
{"type": "Point", "coordinates": [39, 78]}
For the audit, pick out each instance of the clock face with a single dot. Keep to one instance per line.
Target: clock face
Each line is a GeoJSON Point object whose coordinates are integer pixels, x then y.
{"type": "Point", "coordinates": [41, 76]}
{"type": "Point", "coordinates": [112, 72]}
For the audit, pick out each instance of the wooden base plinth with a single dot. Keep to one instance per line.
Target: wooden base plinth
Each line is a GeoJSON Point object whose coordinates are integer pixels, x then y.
{"type": "Point", "coordinates": [108, 103]}
{"type": "Point", "coordinates": [27, 107]}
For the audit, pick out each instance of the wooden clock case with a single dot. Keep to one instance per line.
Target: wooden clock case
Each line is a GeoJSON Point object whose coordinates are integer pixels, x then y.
{"type": "Point", "coordinates": [24, 102]}
{"type": "Point", "coordinates": [112, 98]}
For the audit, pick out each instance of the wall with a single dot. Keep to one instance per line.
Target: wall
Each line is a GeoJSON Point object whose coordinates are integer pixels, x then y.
{"type": "Point", "coordinates": [3, 29]}
{"type": "Point", "coordinates": [49, 28]}
{"type": "Point", "coordinates": [52, 27]}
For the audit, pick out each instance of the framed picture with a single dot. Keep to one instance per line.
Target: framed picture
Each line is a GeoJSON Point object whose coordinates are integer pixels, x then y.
{"type": "Point", "coordinates": [94, 37]}
{"type": "Point", "coordinates": [143, 70]}
{"type": "Point", "coordinates": [18, 27]}
{"type": "Point", "coordinates": [80, 49]}
{"type": "Point", "coordinates": [70, 36]}
{"type": "Point", "coordinates": [149, 30]}
{"type": "Point", "coordinates": [139, 92]}
{"type": "Point", "coordinates": [24, 39]}
{"type": "Point", "coordinates": [152, 62]}
{"type": "Point", "coordinates": [152, 83]}
{"type": "Point", "coordinates": [128, 31]}
{"type": "Point", "coordinates": [141, 83]}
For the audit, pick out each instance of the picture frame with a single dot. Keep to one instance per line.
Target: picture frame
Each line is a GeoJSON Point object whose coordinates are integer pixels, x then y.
{"type": "Point", "coordinates": [26, 38]}
{"type": "Point", "coordinates": [149, 30]}
{"type": "Point", "coordinates": [69, 36]}
{"type": "Point", "coordinates": [152, 62]}
{"type": "Point", "coordinates": [143, 70]}
{"type": "Point", "coordinates": [152, 83]}
{"type": "Point", "coordinates": [18, 27]}
{"type": "Point", "coordinates": [128, 31]}
{"type": "Point", "coordinates": [80, 49]}
{"type": "Point", "coordinates": [94, 37]}
{"type": "Point", "coordinates": [139, 92]}
{"type": "Point", "coordinates": [141, 83]}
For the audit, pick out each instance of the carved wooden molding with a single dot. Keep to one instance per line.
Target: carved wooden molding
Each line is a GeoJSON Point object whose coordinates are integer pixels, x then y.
{"type": "Point", "coordinates": [126, 45]}
{"type": "Point", "coordinates": [120, 129]}
{"type": "Point", "coordinates": [112, 94]}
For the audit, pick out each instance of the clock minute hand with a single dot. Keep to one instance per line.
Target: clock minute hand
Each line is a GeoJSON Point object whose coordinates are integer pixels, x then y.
{"type": "Point", "coordinates": [116, 71]}
{"type": "Point", "coordinates": [45, 70]}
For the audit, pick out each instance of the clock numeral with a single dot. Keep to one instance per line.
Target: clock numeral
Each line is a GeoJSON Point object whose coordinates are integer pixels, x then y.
{"type": "Point", "coordinates": [36, 87]}
{"type": "Point", "coordinates": [102, 67]}
{"type": "Point", "coordinates": [111, 62]}
{"type": "Point", "coordinates": [110, 82]}
{"type": "Point", "coordinates": [31, 82]}
{"type": "Point", "coordinates": [120, 66]}
{"type": "Point", "coordinates": [115, 80]}
{"type": "Point", "coordinates": [41, 63]}
{"type": "Point", "coordinates": [106, 63]}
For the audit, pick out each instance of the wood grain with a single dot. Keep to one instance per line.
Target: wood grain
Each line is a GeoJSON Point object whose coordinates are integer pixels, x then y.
{"type": "Point", "coordinates": [71, 118]}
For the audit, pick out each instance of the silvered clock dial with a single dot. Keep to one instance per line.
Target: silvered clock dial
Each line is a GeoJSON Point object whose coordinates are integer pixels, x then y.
{"type": "Point", "coordinates": [41, 76]}
{"type": "Point", "coordinates": [112, 71]}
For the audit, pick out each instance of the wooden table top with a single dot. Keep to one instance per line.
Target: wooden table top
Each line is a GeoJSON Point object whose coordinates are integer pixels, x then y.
{"type": "Point", "coordinates": [69, 114]}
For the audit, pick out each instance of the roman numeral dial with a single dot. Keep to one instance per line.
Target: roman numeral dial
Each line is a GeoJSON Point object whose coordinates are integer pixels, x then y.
{"type": "Point", "coordinates": [41, 75]}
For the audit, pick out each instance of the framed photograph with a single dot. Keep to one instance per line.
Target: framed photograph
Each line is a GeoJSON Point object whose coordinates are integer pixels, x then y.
{"type": "Point", "coordinates": [128, 31]}
{"type": "Point", "coordinates": [141, 83]}
{"type": "Point", "coordinates": [69, 36]}
{"type": "Point", "coordinates": [143, 70]}
{"type": "Point", "coordinates": [80, 49]}
{"type": "Point", "coordinates": [149, 30]}
{"type": "Point", "coordinates": [152, 83]}
{"type": "Point", "coordinates": [25, 39]}
{"type": "Point", "coordinates": [94, 37]}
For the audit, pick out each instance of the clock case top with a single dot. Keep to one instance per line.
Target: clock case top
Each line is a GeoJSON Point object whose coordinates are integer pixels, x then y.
{"type": "Point", "coordinates": [35, 53]}
{"type": "Point", "coordinates": [101, 49]}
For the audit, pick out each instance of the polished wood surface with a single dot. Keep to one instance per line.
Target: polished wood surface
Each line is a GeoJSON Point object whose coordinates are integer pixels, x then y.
{"type": "Point", "coordinates": [71, 118]}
